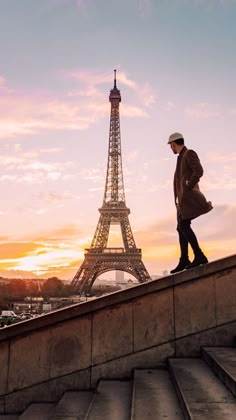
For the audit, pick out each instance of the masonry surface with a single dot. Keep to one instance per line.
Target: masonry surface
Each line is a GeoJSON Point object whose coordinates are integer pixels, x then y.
{"type": "Point", "coordinates": [73, 348]}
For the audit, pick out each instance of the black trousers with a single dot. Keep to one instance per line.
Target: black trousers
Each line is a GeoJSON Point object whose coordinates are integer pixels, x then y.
{"type": "Point", "coordinates": [187, 236]}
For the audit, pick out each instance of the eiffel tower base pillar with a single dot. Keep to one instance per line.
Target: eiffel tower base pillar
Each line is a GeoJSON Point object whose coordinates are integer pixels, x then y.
{"type": "Point", "coordinates": [97, 262]}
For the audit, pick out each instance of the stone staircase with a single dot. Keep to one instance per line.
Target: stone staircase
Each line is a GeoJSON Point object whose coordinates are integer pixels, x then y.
{"type": "Point", "coordinates": [189, 388]}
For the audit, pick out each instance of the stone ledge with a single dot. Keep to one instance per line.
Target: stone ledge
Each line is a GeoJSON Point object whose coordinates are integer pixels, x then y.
{"type": "Point", "coordinates": [115, 298]}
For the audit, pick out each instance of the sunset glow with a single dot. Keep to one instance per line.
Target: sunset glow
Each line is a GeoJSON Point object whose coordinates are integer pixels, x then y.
{"type": "Point", "coordinates": [175, 66]}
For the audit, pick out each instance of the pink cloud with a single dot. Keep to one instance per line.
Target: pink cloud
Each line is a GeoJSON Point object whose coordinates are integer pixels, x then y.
{"type": "Point", "coordinates": [55, 197]}
{"type": "Point", "coordinates": [28, 168]}
{"type": "Point", "coordinates": [28, 114]}
{"type": "Point", "coordinates": [223, 182]}
{"type": "Point", "coordinates": [2, 81]}
{"type": "Point", "coordinates": [203, 110]}
{"type": "Point", "coordinates": [92, 80]}
{"type": "Point", "coordinates": [133, 111]}
{"type": "Point", "coordinates": [221, 157]}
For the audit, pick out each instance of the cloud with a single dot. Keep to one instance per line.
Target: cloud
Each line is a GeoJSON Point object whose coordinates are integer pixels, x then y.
{"type": "Point", "coordinates": [216, 233]}
{"type": "Point", "coordinates": [221, 174]}
{"type": "Point", "coordinates": [168, 106]}
{"type": "Point", "coordinates": [221, 157]}
{"type": "Point", "coordinates": [92, 80]}
{"type": "Point", "coordinates": [225, 180]}
{"type": "Point", "coordinates": [23, 113]}
{"type": "Point", "coordinates": [27, 167]}
{"type": "Point", "coordinates": [132, 155]}
{"type": "Point", "coordinates": [63, 233]}
{"type": "Point", "coordinates": [95, 175]}
{"type": "Point", "coordinates": [30, 114]}
{"type": "Point", "coordinates": [133, 111]}
{"type": "Point", "coordinates": [55, 197]}
{"type": "Point", "coordinates": [41, 257]}
{"type": "Point", "coordinates": [220, 225]}
{"type": "Point", "coordinates": [2, 81]}
{"type": "Point", "coordinates": [63, 253]}
{"type": "Point", "coordinates": [14, 250]}
{"type": "Point", "coordinates": [203, 110]}
{"type": "Point", "coordinates": [2, 212]}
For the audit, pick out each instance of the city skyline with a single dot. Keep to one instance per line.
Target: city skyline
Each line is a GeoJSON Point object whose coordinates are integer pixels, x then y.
{"type": "Point", "coordinates": [175, 69]}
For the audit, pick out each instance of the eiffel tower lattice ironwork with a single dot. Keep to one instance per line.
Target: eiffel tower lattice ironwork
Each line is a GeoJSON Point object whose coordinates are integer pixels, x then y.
{"type": "Point", "coordinates": [99, 258]}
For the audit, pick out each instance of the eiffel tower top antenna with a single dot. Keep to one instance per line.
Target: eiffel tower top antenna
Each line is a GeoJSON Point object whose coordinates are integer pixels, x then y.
{"type": "Point", "coordinates": [114, 194]}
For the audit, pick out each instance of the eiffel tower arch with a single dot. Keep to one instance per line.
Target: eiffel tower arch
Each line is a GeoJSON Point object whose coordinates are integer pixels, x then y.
{"type": "Point", "coordinates": [99, 258]}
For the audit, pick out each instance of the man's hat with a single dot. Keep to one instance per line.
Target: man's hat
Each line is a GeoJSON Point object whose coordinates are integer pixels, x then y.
{"type": "Point", "coordinates": [174, 136]}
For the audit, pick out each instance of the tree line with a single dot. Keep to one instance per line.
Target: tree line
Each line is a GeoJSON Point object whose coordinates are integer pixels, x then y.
{"type": "Point", "coordinates": [19, 289]}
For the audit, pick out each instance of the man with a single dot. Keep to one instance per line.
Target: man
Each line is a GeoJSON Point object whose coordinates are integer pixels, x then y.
{"type": "Point", "coordinates": [189, 201]}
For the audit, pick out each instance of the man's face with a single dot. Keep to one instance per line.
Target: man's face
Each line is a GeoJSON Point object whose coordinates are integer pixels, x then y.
{"type": "Point", "coordinates": [174, 147]}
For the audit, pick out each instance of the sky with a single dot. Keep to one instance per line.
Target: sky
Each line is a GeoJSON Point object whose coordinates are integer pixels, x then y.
{"type": "Point", "coordinates": [175, 62]}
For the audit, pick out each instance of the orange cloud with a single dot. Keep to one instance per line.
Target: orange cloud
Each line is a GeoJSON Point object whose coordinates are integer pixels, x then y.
{"type": "Point", "coordinates": [61, 233]}
{"type": "Point", "coordinates": [14, 250]}
{"type": "Point", "coordinates": [37, 258]}
{"type": "Point", "coordinates": [63, 253]}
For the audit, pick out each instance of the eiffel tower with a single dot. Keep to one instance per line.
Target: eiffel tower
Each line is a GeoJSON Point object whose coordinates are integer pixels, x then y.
{"type": "Point", "coordinates": [99, 258]}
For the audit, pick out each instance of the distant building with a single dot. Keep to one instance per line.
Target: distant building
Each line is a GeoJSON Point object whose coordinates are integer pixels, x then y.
{"type": "Point", "coordinates": [155, 277]}
{"type": "Point", "coordinates": [120, 276]}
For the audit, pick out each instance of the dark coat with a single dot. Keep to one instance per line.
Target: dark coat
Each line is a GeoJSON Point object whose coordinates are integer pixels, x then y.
{"type": "Point", "coordinates": [190, 202]}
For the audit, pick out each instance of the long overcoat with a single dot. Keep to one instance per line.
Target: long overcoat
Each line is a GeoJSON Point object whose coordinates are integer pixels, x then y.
{"type": "Point", "coordinates": [190, 201]}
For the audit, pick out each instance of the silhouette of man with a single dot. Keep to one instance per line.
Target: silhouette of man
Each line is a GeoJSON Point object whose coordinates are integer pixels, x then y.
{"type": "Point", "coordinates": [190, 202]}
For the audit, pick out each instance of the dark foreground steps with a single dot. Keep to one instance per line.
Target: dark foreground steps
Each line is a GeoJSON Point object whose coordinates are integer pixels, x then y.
{"type": "Point", "coordinates": [111, 401]}
{"type": "Point", "coordinates": [73, 405]}
{"type": "Point", "coordinates": [154, 396]}
{"type": "Point", "coordinates": [222, 360]}
{"type": "Point", "coordinates": [37, 411]}
{"type": "Point", "coordinates": [202, 395]}
{"type": "Point", "coordinates": [192, 389]}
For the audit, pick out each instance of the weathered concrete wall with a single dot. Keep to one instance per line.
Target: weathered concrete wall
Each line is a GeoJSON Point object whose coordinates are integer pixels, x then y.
{"type": "Point", "coordinates": [108, 337]}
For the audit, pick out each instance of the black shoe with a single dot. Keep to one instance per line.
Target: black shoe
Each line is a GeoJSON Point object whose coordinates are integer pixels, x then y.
{"type": "Point", "coordinates": [198, 260]}
{"type": "Point", "coordinates": [181, 266]}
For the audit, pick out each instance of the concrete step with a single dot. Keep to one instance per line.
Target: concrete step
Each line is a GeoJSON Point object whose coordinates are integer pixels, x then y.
{"type": "Point", "coordinates": [73, 405]}
{"type": "Point", "coordinates": [202, 395]}
{"type": "Point", "coordinates": [112, 401]}
{"type": "Point", "coordinates": [38, 411]}
{"type": "Point", "coordinates": [223, 362]}
{"type": "Point", "coordinates": [154, 396]}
